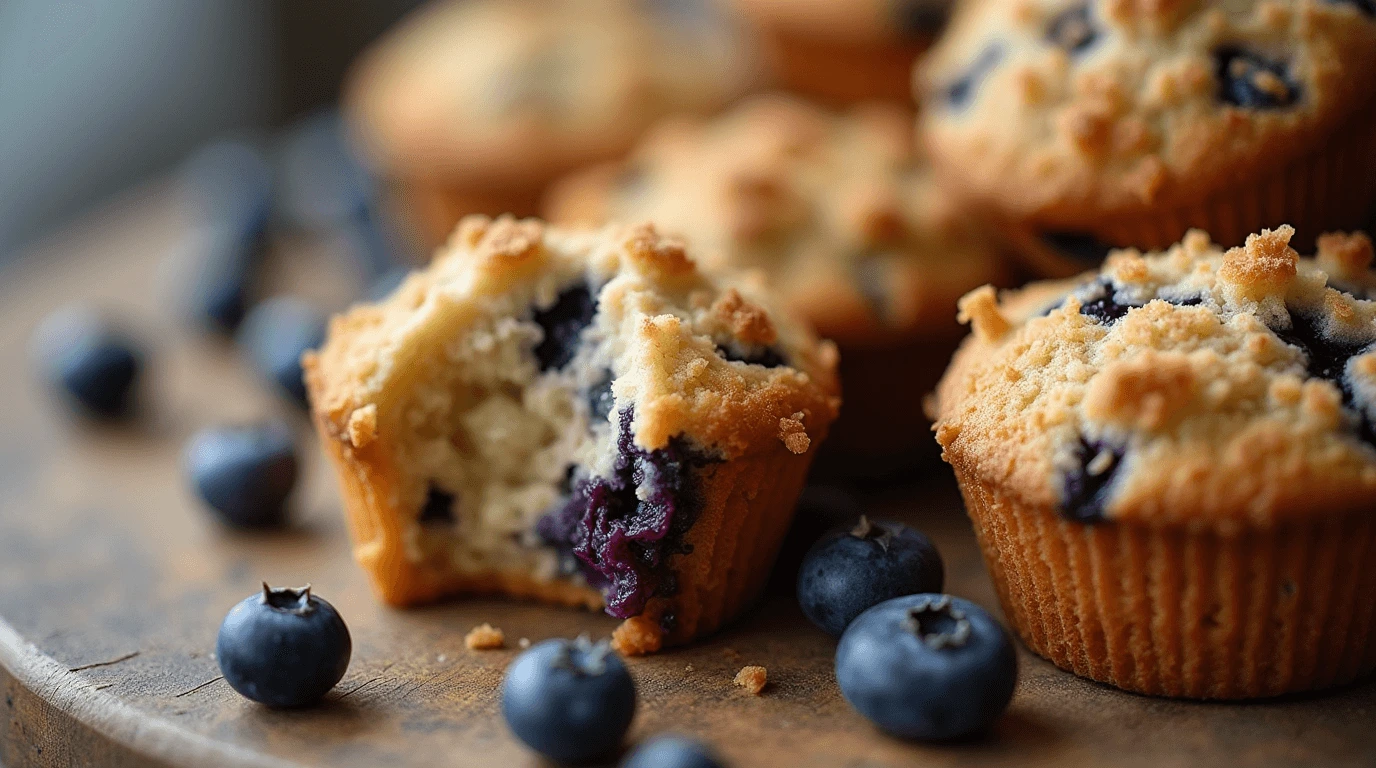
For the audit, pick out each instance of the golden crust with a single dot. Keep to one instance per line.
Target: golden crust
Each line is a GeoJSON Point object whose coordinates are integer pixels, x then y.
{"type": "Point", "coordinates": [508, 93]}
{"type": "Point", "coordinates": [838, 211]}
{"type": "Point", "coordinates": [1134, 123]}
{"type": "Point", "coordinates": [1219, 419]}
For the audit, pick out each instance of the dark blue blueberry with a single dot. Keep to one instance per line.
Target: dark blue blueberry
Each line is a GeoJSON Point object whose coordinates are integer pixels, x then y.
{"type": "Point", "coordinates": [601, 399]}
{"type": "Point", "coordinates": [1367, 7]}
{"type": "Point", "coordinates": [766, 356]}
{"type": "Point", "coordinates": [569, 701]}
{"type": "Point", "coordinates": [921, 19]}
{"type": "Point", "coordinates": [275, 334]}
{"type": "Point", "coordinates": [672, 752]}
{"type": "Point", "coordinates": [438, 509]}
{"type": "Point", "coordinates": [962, 91]}
{"type": "Point", "coordinates": [820, 509]}
{"type": "Point", "coordinates": [95, 365]}
{"type": "Point", "coordinates": [1249, 81]}
{"type": "Point", "coordinates": [624, 528]}
{"type": "Point", "coordinates": [563, 323]}
{"type": "Point", "coordinates": [230, 185]}
{"type": "Point", "coordinates": [1080, 247]}
{"type": "Point", "coordinates": [1073, 29]}
{"type": "Point", "coordinates": [1086, 489]}
{"type": "Point", "coordinates": [245, 474]}
{"type": "Point", "coordinates": [1098, 300]}
{"type": "Point", "coordinates": [930, 667]}
{"type": "Point", "coordinates": [283, 647]}
{"type": "Point", "coordinates": [1327, 359]}
{"type": "Point", "coordinates": [848, 571]}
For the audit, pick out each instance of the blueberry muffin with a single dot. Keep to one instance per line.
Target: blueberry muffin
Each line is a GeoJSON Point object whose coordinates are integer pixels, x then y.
{"type": "Point", "coordinates": [581, 418]}
{"type": "Point", "coordinates": [1085, 125]}
{"type": "Point", "coordinates": [474, 106]}
{"type": "Point", "coordinates": [1170, 464]}
{"type": "Point", "coordinates": [842, 217]}
{"type": "Point", "coordinates": [843, 51]}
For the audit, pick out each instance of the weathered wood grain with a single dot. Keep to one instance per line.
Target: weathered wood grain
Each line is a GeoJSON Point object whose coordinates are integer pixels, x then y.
{"type": "Point", "coordinates": [113, 582]}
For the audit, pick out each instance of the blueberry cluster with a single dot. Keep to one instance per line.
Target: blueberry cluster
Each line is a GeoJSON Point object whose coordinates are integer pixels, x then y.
{"type": "Point", "coordinates": [624, 528]}
{"type": "Point", "coordinates": [1327, 359]}
{"type": "Point", "coordinates": [563, 323]}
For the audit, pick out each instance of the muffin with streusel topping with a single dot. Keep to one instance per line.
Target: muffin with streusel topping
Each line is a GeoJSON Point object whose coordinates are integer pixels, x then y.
{"type": "Point", "coordinates": [472, 106]}
{"type": "Point", "coordinates": [1082, 125]}
{"type": "Point", "coordinates": [843, 51]}
{"type": "Point", "coordinates": [844, 219]}
{"type": "Point", "coordinates": [1171, 464]}
{"type": "Point", "coordinates": [583, 418]}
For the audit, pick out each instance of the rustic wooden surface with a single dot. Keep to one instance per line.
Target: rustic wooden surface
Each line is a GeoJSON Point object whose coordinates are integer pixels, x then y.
{"type": "Point", "coordinates": [113, 583]}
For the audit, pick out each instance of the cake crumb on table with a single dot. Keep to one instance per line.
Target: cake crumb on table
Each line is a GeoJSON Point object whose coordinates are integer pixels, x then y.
{"type": "Point", "coordinates": [637, 636]}
{"type": "Point", "coordinates": [484, 637]}
{"type": "Point", "coordinates": [523, 643]}
{"type": "Point", "coordinates": [688, 668]}
{"type": "Point", "coordinates": [752, 678]}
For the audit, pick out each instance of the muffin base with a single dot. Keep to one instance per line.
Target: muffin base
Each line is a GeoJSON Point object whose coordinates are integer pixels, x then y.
{"type": "Point", "coordinates": [1329, 189]}
{"type": "Point", "coordinates": [746, 507]}
{"type": "Point", "coordinates": [1170, 611]}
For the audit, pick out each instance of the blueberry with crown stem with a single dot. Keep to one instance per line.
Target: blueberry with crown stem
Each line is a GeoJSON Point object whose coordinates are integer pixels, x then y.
{"type": "Point", "coordinates": [283, 647]}
{"type": "Point", "coordinates": [571, 701]}
{"type": "Point", "coordinates": [246, 474]}
{"type": "Point", "coordinates": [931, 667]}
{"type": "Point", "coordinates": [848, 571]}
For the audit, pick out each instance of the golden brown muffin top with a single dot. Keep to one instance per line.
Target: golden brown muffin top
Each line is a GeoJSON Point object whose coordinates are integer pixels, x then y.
{"type": "Point", "coordinates": [838, 210]}
{"type": "Point", "coordinates": [696, 356]}
{"type": "Point", "coordinates": [1189, 386]}
{"type": "Point", "coordinates": [1061, 110]}
{"type": "Point", "coordinates": [513, 91]}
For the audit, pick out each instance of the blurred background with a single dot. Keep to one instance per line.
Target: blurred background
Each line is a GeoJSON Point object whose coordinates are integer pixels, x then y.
{"type": "Point", "coordinates": [98, 96]}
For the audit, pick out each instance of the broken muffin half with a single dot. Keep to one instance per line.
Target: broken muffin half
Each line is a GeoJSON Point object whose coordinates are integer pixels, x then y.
{"type": "Point", "coordinates": [583, 418]}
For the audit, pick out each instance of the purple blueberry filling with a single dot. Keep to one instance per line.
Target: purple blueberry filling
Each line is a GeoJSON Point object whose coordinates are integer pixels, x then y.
{"type": "Point", "coordinates": [624, 528]}
{"type": "Point", "coordinates": [1073, 30]}
{"type": "Point", "coordinates": [563, 323]}
{"type": "Point", "coordinates": [1085, 491]}
{"type": "Point", "coordinates": [1098, 300]}
{"type": "Point", "coordinates": [1250, 81]}
{"type": "Point", "coordinates": [1327, 359]}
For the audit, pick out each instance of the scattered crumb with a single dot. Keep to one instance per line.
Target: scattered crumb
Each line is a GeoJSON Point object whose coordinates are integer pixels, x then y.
{"type": "Point", "coordinates": [752, 678]}
{"type": "Point", "coordinates": [523, 643]}
{"type": "Point", "coordinates": [484, 637]}
{"type": "Point", "coordinates": [688, 668]}
{"type": "Point", "coordinates": [731, 653]}
{"type": "Point", "coordinates": [442, 658]}
{"type": "Point", "coordinates": [794, 434]}
{"type": "Point", "coordinates": [637, 636]}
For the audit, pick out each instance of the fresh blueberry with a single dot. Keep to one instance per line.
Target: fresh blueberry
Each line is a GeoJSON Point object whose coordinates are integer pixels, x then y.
{"type": "Point", "coordinates": [672, 752]}
{"type": "Point", "coordinates": [563, 323]}
{"type": "Point", "coordinates": [848, 571]}
{"type": "Point", "coordinates": [962, 91]}
{"type": "Point", "coordinates": [1073, 30]}
{"type": "Point", "coordinates": [1086, 490]}
{"type": "Point", "coordinates": [930, 667]}
{"type": "Point", "coordinates": [245, 474]}
{"type": "Point", "coordinates": [230, 185]}
{"type": "Point", "coordinates": [275, 334]}
{"type": "Point", "coordinates": [571, 701]}
{"type": "Point", "coordinates": [1249, 81]}
{"type": "Point", "coordinates": [93, 363]}
{"type": "Point", "coordinates": [323, 182]}
{"type": "Point", "coordinates": [283, 647]}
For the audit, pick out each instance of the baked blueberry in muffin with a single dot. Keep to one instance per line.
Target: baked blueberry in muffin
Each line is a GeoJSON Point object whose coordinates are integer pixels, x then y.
{"type": "Point", "coordinates": [1177, 454]}
{"type": "Point", "coordinates": [584, 418]}
{"type": "Point", "coordinates": [1083, 125]}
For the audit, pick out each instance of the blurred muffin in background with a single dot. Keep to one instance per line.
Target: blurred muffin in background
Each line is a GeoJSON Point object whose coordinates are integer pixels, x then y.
{"type": "Point", "coordinates": [1086, 125]}
{"type": "Point", "coordinates": [843, 51]}
{"type": "Point", "coordinates": [841, 217]}
{"type": "Point", "coordinates": [475, 106]}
